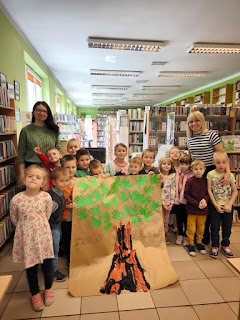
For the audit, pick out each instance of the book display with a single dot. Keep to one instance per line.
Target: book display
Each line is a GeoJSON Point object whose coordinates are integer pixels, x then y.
{"type": "Point", "coordinates": [135, 130]}
{"type": "Point", "coordinates": [102, 116]}
{"type": "Point", "coordinates": [202, 98]}
{"type": "Point", "coordinates": [68, 126]}
{"type": "Point", "coordinates": [237, 92]}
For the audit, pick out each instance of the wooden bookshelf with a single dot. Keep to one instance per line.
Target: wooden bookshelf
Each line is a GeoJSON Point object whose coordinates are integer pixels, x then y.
{"type": "Point", "coordinates": [223, 94]}
{"type": "Point", "coordinates": [237, 93]}
{"type": "Point", "coordinates": [202, 98]}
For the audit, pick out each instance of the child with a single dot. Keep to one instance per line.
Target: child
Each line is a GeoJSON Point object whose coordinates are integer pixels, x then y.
{"type": "Point", "coordinates": [148, 160]}
{"type": "Point", "coordinates": [29, 212]}
{"type": "Point", "coordinates": [83, 161]}
{"type": "Point", "coordinates": [69, 163]}
{"type": "Point", "coordinates": [73, 146]}
{"type": "Point", "coordinates": [197, 197]}
{"type": "Point", "coordinates": [221, 207]}
{"type": "Point", "coordinates": [175, 155]}
{"type": "Point", "coordinates": [135, 166]}
{"type": "Point", "coordinates": [96, 169]}
{"type": "Point", "coordinates": [49, 162]}
{"type": "Point", "coordinates": [60, 180]}
{"type": "Point", "coordinates": [168, 191]}
{"type": "Point", "coordinates": [119, 164]}
{"type": "Point", "coordinates": [179, 207]}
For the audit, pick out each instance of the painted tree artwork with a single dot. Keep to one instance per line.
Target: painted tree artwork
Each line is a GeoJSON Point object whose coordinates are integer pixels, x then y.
{"type": "Point", "coordinates": [117, 235]}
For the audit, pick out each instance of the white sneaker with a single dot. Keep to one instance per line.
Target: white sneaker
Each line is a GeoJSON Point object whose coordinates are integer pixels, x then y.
{"type": "Point", "coordinates": [185, 242]}
{"type": "Point", "coordinates": [179, 240]}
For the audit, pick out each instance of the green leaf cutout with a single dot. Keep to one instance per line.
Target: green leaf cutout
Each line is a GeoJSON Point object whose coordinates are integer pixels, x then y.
{"type": "Point", "coordinates": [136, 219]}
{"type": "Point", "coordinates": [125, 211]}
{"type": "Point", "coordinates": [105, 189]}
{"type": "Point", "coordinates": [107, 202]}
{"type": "Point", "coordinates": [82, 184]}
{"type": "Point", "coordinates": [97, 195]}
{"type": "Point", "coordinates": [80, 201]}
{"type": "Point", "coordinates": [118, 181]}
{"type": "Point", "coordinates": [94, 182]}
{"type": "Point", "coordinates": [126, 184]}
{"type": "Point", "coordinates": [155, 205]}
{"type": "Point", "coordinates": [154, 179]}
{"type": "Point", "coordinates": [133, 210]}
{"type": "Point", "coordinates": [115, 202]}
{"type": "Point", "coordinates": [106, 217]}
{"type": "Point", "coordinates": [107, 227]}
{"type": "Point", "coordinates": [123, 198]}
{"type": "Point", "coordinates": [146, 200]}
{"type": "Point", "coordinates": [116, 215]}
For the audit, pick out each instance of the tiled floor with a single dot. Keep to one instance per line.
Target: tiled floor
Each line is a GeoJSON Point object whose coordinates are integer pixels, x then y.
{"type": "Point", "coordinates": [208, 289]}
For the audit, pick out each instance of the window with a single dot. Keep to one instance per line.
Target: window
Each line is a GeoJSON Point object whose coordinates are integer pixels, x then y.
{"type": "Point", "coordinates": [34, 88]}
{"type": "Point", "coordinates": [57, 103]}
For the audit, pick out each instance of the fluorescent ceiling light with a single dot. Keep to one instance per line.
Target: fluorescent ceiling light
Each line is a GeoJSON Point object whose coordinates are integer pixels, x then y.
{"type": "Point", "coordinates": [158, 63]}
{"type": "Point", "coordinates": [142, 81]}
{"type": "Point", "coordinates": [147, 95]}
{"type": "Point", "coordinates": [105, 101]}
{"type": "Point", "coordinates": [108, 95]}
{"type": "Point", "coordinates": [145, 88]}
{"type": "Point", "coordinates": [115, 73]}
{"type": "Point", "coordinates": [125, 44]}
{"type": "Point", "coordinates": [138, 101]}
{"type": "Point", "coordinates": [181, 74]}
{"type": "Point", "coordinates": [214, 48]}
{"type": "Point", "coordinates": [101, 87]}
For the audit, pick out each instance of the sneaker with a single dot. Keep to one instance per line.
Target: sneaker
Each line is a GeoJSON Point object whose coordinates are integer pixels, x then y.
{"type": "Point", "coordinates": [48, 297]}
{"type": "Point", "coordinates": [179, 240]}
{"type": "Point", "coordinates": [58, 276]}
{"type": "Point", "coordinates": [166, 239]}
{"type": "Point", "coordinates": [171, 229]}
{"type": "Point", "coordinates": [191, 251]}
{"type": "Point", "coordinates": [201, 248]}
{"type": "Point", "coordinates": [185, 242]}
{"type": "Point", "coordinates": [228, 253]}
{"type": "Point", "coordinates": [37, 302]}
{"type": "Point", "coordinates": [214, 252]}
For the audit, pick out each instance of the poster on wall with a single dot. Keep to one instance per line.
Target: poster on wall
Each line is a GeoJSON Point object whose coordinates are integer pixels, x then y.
{"type": "Point", "coordinates": [26, 117]}
{"type": "Point", "coordinates": [17, 90]}
{"type": "Point", "coordinates": [170, 128]}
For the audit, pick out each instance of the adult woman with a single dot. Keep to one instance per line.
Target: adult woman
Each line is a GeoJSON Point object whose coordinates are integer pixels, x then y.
{"type": "Point", "coordinates": [201, 145]}
{"type": "Point", "coordinates": [42, 130]}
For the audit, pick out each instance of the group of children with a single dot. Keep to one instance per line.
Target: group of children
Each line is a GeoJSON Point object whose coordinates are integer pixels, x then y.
{"type": "Point", "coordinates": [43, 219]}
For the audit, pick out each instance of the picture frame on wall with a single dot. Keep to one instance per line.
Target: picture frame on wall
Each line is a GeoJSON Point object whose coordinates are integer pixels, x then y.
{"type": "Point", "coordinates": [17, 114]}
{"type": "Point", "coordinates": [17, 90]}
{"type": "Point", "coordinates": [3, 89]}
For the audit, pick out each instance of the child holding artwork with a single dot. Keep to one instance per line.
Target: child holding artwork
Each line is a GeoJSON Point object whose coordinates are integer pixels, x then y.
{"type": "Point", "coordinates": [197, 197]}
{"type": "Point", "coordinates": [50, 161]}
{"type": "Point", "coordinates": [30, 211]}
{"type": "Point", "coordinates": [119, 164]}
{"type": "Point", "coordinates": [148, 160]}
{"type": "Point", "coordinates": [69, 163]}
{"type": "Point", "coordinates": [96, 169]}
{"type": "Point", "coordinates": [221, 207]}
{"type": "Point", "coordinates": [168, 190]}
{"type": "Point", "coordinates": [175, 155]}
{"type": "Point", "coordinates": [83, 161]}
{"type": "Point", "coordinates": [73, 146]}
{"type": "Point", "coordinates": [135, 166]}
{"type": "Point", "coordinates": [179, 207]}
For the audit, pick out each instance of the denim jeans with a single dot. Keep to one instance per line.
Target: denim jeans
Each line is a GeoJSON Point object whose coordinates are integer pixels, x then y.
{"type": "Point", "coordinates": [56, 235]}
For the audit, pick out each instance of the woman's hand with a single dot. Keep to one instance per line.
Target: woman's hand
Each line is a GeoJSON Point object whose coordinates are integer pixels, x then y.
{"type": "Point", "coordinates": [37, 150]}
{"type": "Point", "coordinates": [225, 179]}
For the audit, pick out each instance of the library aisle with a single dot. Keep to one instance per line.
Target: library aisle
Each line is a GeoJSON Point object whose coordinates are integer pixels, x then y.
{"type": "Point", "coordinates": [208, 289]}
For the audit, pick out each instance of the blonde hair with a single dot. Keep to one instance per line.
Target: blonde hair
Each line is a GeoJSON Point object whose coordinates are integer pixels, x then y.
{"type": "Point", "coordinates": [197, 162]}
{"type": "Point", "coordinates": [172, 170]}
{"type": "Point", "coordinates": [172, 149]}
{"type": "Point", "coordinates": [220, 154]}
{"type": "Point", "coordinates": [44, 171]}
{"type": "Point", "coordinates": [198, 116]}
{"type": "Point", "coordinates": [58, 172]}
{"type": "Point", "coordinates": [120, 145]}
{"type": "Point", "coordinates": [71, 140]}
{"type": "Point", "coordinates": [136, 160]}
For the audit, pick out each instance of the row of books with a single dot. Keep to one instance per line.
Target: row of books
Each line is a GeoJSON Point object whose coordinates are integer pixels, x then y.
{"type": "Point", "coordinates": [157, 126]}
{"type": "Point", "coordinates": [135, 113]}
{"type": "Point", "coordinates": [236, 217]}
{"type": "Point", "coordinates": [107, 112]}
{"type": "Point", "coordinates": [238, 111]}
{"type": "Point", "coordinates": [65, 136]}
{"type": "Point", "coordinates": [134, 149]}
{"type": "Point", "coordinates": [181, 126]}
{"type": "Point", "coordinates": [7, 124]}
{"type": "Point", "coordinates": [217, 125]}
{"type": "Point", "coordinates": [156, 140]}
{"type": "Point", "coordinates": [5, 197]}
{"type": "Point", "coordinates": [206, 109]}
{"type": "Point", "coordinates": [7, 149]}
{"type": "Point", "coordinates": [180, 141]}
{"type": "Point", "coordinates": [64, 127]}
{"type": "Point", "coordinates": [234, 161]}
{"type": "Point", "coordinates": [237, 125]}
{"type": "Point", "coordinates": [237, 178]}
{"type": "Point", "coordinates": [136, 138]}
{"type": "Point", "coordinates": [238, 198]}
{"type": "Point", "coordinates": [6, 228]}
{"type": "Point", "coordinates": [7, 174]}
{"type": "Point", "coordinates": [136, 126]}
{"type": "Point", "coordinates": [66, 117]}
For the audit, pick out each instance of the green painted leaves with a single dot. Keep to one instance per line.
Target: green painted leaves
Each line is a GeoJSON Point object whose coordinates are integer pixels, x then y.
{"type": "Point", "coordinates": [95, 211]}
{"type": "Point", "coordinates": [148, 190]}
{"type": "Point", "coordinates": [82, 184]}
{"type": "Point", "coordinates": [155, 205]}
{"type": "Point", "coordinates": [82, 214]}
{"type": "Point", "coordinates": [126, 184]}
{"type": "Point", "coordinates": [104, 189]}
{"type": "Point", "coordinates": [96, 222]}
{"type": "Point", "coordinates": [116, 215]}
{"type": "Point", "coordinates": [141, 180]}
{"type": "Point", "coordinates": [154, 179]}
{"type": "Point", "coordinates": [123, 197]}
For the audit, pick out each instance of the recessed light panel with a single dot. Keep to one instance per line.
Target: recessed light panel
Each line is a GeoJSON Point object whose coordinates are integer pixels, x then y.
{"type": "Point", "coordinates": [142, 81]}
{"type": "Point", "coordinates": [103, 88]}
{"type": "Point", "coordinates": [214, 48]}
{"type": "Point", "coordinates": [181, 74]}
{"type": "Point", "coordinates": [158, 63]}
{"type": "Point", "coordinates": [107, 95]}
{"type": "Point", "coordinates": [125, 44]}
{"type": "Point", "coordinates": [146, 88]}
{"type": "Point", "coordinates": [114, 73]}
{"type": "Point", "coordinates": [147, 95]}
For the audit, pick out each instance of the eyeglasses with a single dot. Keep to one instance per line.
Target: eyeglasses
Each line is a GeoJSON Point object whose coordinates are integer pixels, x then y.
{"type": "Point", "coordinates": [41, 111]}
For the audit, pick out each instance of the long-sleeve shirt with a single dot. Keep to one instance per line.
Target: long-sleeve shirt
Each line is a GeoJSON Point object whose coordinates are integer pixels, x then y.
{"type": "Point", "coordinates": [168, 189]}
{"type": "Point", "coordinates": [47, 165]}
{"type": "Point", "coordinates": [195, 191]}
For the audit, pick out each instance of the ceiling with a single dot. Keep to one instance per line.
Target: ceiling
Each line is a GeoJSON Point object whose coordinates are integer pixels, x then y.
{"type": "Point", "coordinates": [58, 31]}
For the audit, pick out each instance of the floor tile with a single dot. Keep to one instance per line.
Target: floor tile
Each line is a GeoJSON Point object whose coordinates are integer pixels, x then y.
{"type": "Point", "coordinates": [236, 273]}
{"type": "Point", "coordinates": [214, 268]}
{"type": "Point", "coordinates": [236, 245]}
{"type": "Point", "coordinates": [97, 304]}
{"type": "Point", "coordinates": [234, 306]}
{"type": "Point", "coordinates": [7, 265]}
{"type": "Point", "coordinates": [188, 270]}
{"type": "Point", "coordinates": [19, 307]}
{"type": "Point", "coordinates": [5, 248]}
{"type": "Point", "coordinates": [171, 296]}
{"type": "Point", "coordinates": [135, 300]}
{"type": "Point", "coordinates": [215, 311]}
{"type": "Point", "coordinates": [235, 237]}
{"type": "Point", "coordinates": [77, 317]}
{"type": "Point", "coordinates": [23, 283]}
{"type": "Point", "coordinates": [177, 313]}
{"type": "Point", "coordinates": [4, 302]}
{"type": "Point", "coordinates": [150, 314]}
{"type": "Point", "coordinates": [100, 316]}
{"type": "Point", "coordinates": [64, 304]}
{"type": "Point", "coordinates": [178, 254]}
{"type": "Point", "coordinates": [16, 275]}
{"type": "Point", "coordinates": [229, 288]}
{"type": "Point", "coordinates": [200, 291]}
{"type": "Point", "coordinates": [236, 253]}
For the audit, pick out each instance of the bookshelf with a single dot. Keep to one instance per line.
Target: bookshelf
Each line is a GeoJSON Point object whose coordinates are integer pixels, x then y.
{"type": "Point", "coordinates": [186, 101]}
{"type": "Point", "coordinates": [102, 117]}
{"type": "Point", "coordinates": [202, 98]}
{"type": "Point", "coordinates": [68, 126]}
{"type": "Point", "coordinates": [135, 131]}
{"type": "Point", "coordinates": [8, 166]}
{"type": "Point", "coordinates": [223, 95]}
{"type": "Point", "coordinates": [237, 92]}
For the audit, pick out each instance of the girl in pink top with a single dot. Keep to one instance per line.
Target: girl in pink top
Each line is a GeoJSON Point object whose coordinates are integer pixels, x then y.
{"type": "Point", "coordinates": [30, 211]}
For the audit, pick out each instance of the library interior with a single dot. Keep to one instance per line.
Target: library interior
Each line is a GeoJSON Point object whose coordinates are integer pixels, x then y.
{"type": "Point", "coordinates": [120, 82]}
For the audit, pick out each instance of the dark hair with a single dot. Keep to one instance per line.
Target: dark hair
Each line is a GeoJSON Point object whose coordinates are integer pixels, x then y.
{"type": "Point", "coordinates": [120, 145]}
{"type": "Point", "coordinates": [66, 158]}
{"type": "Point", "coordinates": [185, 159]}
{"type": "Point", "coordinates": [147, 151]}
{"type": "Point", "coordinates": [82, 152]}
{"type": "Point", "coordinates": [94, 164]}
{"type": "Point", "coordinates": [49, 121]}
{"type": "Point", "coordinates": [57, 172]}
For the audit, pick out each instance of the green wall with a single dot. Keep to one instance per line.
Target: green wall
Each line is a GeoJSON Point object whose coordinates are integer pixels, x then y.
{"type": "Point", "coordinates": [210, 88]}
{"type": "Point", "coordinates": [92, 111]}
{"type": "Point", "coordinates": [14, 53]}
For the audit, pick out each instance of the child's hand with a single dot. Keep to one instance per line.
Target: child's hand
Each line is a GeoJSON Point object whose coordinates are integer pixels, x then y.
{"type": "Point", "coordinates": [107, 175]}
{"type": "Point", "coordinates": [201, 205]}
{"type": "Point", "coordinates": [203, 202]}
{"type": "Point", "coordinates": [161, 176]}
{"type": "Point", "coordinates": [219, 208]}
{"type": "Point", "coordinates": [125, 173]}
{"type": "Point", "coordinates": [70, 206]}
{"type": "Point", "coordinates": [37, 150]}
{"type": "Point", "coordinates": [227, 207]}
{"type": "Point", "coordinates": [151, 173]}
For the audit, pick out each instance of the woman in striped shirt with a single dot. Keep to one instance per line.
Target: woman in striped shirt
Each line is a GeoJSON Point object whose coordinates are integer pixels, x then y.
{"type": "Point", "coordinates": [201, 145]}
